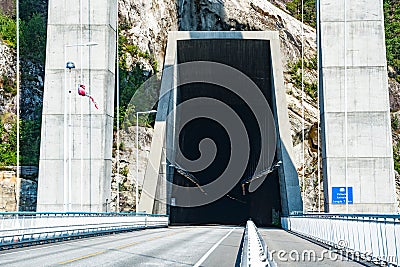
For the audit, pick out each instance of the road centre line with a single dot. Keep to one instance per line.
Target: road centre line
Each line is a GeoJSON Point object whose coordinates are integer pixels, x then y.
{"type": "Point", "coordinates": [118, 248]}
{"type": "Point", "coordinates": [205, 256]}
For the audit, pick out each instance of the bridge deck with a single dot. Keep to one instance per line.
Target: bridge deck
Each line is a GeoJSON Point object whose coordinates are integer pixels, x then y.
{"type": "Point", "coordinates": [174, 246]}
{"type": "Point", "coordinates": [296, 250]}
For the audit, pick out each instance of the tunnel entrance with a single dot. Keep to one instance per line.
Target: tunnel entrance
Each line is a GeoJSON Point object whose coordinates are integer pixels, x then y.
{"type": "Point", "coordinates": [253, 58]}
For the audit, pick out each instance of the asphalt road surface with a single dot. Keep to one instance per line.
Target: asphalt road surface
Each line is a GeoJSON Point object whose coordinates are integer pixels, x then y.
{"type": "Point", "coordinates": [174, 246]}
{"type": "Point", "coordinates": [290, 250]}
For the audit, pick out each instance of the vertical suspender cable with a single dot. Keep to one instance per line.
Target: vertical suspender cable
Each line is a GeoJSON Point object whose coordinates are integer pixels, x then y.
{"type": "Point", "coordinates": [81, 101]}
{"type": "Point", "coordinates": [345, 107]}
{"type": "Point", "coordinates": [318, 104]}
{"type": "Point", "coordinates": [118, 103]}
{"type": "Point", "coordinates": [65, 198]}
{"type": "Point", "coordinates": [90, 114]}
{"type": "Point", "coordinates": [70, 140]}
{"type": "Point", "coordinates": [302, 104]}
{"type": "Point", "coordinates": [18, 185]}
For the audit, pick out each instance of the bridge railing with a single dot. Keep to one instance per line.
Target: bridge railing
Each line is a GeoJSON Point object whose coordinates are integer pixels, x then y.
{"type": "Point", "coordinates": [374, 238]}
{"type": "Point", "coordinates": [31, 227]}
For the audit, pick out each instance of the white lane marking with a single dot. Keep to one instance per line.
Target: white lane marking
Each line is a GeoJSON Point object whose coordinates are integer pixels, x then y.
{"type": "Point", "coordinates": [212, 249]}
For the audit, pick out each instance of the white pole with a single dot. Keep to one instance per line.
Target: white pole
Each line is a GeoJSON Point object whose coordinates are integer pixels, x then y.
{"type": "Point", "coordinates": [65, 132]}
{"type": "Point", "coordinates": [81, 80]}
{"type": "Point", "coordinates": [70, 146]}
{"type": "Point", "coordinates": [18, 184]}
{"type": "Point", "coordinates": [318, 96]}
{"type": "Point", "coordinates": [302, 104]}
{"type": "Point", "coordinates": [137, 162]}
{"type": "Point", "coordinates": [345, 105]}
{"type": "Point", "coordinates": [117, 81]}
{"type": "Point", "coordinates": [68, 143]}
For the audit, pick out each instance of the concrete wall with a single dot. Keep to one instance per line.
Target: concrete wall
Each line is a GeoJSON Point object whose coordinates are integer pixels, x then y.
{"type": "Point", "coordinates": [356, 48]}
{"type": "Point", "coordinates": [157, 171]}
{"type": "Point", "coordinates": [91, 133]}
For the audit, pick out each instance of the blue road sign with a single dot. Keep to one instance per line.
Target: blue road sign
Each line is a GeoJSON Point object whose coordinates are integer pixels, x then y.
{"type": "Point", "coordinates": [339, 195]}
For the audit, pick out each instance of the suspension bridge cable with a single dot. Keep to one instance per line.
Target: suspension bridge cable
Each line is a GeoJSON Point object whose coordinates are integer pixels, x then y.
{"type": "Point", "coordinates": [302, 104]}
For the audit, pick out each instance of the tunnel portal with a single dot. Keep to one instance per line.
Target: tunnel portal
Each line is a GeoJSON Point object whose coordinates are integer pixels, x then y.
{"type": "Point", "coordinates": [253, 58]}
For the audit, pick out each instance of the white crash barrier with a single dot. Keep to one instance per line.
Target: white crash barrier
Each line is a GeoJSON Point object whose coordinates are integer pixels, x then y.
{"type": "Point", "coordinates": [254, 251]}
{"type": "Point", "coordinates": [18, 228]}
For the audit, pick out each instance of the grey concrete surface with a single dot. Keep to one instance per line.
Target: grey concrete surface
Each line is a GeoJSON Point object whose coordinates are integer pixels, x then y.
{"type": "Point", "coordinates": [290, 250]}
{"type": "Point", "coordinates": [352, 39]}
{"type": "Point", "coordinates": [91, 129]}
{"type": "Point", "coordinates": [174, 246]}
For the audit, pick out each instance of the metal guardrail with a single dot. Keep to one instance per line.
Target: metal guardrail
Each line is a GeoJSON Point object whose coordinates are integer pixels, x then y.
{"type": "Point", "coordinates": [18, 228]}
{"type": "Point", "coordinates": [254, 251]}
{"type": "Point", "coordinates": [367, 237]}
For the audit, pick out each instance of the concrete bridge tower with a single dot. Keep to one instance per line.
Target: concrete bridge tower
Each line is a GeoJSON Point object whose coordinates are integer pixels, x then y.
{"type": "Point", "coordinates": [76, 144]}
{"type": "Point", "coordinates": [355, 111]}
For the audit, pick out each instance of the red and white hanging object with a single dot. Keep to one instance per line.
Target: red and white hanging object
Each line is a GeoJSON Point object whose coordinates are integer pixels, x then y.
{"type": "Point", "coordinates": [82, 92]}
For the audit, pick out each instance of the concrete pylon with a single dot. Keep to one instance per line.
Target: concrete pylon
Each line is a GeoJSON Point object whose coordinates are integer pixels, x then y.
{"type": "Point", "coordinates": [76, 144]}
{"type": "Point", "coordinates": [355, 110]}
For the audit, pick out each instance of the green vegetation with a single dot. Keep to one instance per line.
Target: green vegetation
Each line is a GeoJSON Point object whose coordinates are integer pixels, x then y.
{"type": "Point", "coordinates": [8, 141]}
{"type": "Point", "coordinates": [396, 157]}
{"type": "Point", "coordinates": [32, 34]}
{"type": "Point", "coordinates": [28, 8]}
{"type": "Point", "coordinates": [294, 7]}
{"type": "Point", "coordinates": [30, 142]}
{"type": "Point", "coordinates": [33, 38]}
{"type": "Point", "coordinates": [395, 122]}
{"type": "Point", "coordinates": [392, 33]}
{"type": "Point", "coordinates": [131, 77]}
{"type": "Point", "coordinates": [33, 18]}
{"type": "Point", "coordinates": [396, 146]}
{"type": "Point", "coordinates": [8, 30]}
{"type": "Point", "coordinates": [124, 171]}
{"type": "Point", "coordinates": [8, 85]}
{"type": "Point", "coordinates": [311, 88]}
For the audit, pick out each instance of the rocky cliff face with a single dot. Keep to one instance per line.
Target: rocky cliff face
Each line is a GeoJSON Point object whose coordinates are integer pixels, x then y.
{"type": "Point", "coordinates": [394, 97]}
{"type": "Point", "coordinates": [31, 102]}
{"type": "Point", "coordinates": [124, 179]}
{"type": "Point", "coordinates": [9, 189]}
{"type": "Point", "coordinates": [7, 6]}
{"type": "Point", "coordinates": [146, 24]}
{"type": "Point", "coordinates": [32, 85]}
{"type": "Point", "coordinates": [7, 79]}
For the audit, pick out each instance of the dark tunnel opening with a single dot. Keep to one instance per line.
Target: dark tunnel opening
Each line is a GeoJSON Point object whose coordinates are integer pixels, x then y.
{"type": "Point", "coordinates": [253, 58]}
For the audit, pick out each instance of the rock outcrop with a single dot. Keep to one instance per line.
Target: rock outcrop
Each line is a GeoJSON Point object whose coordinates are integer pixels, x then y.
{"type": "Point", "coordinates": [124, 174]}
{"type": "Point", "coordinates": [394, 98]}
{"type": "Point", "coordinates": [30, 101]}
{"type": "Point", "coordinates": [10, 186]}
{"type": "Point", "coordinates": [32, 86]}
{"type": "Point", "coordinates": [146, 24]}
{"type": "Point", "coordinates": [8, 76]}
